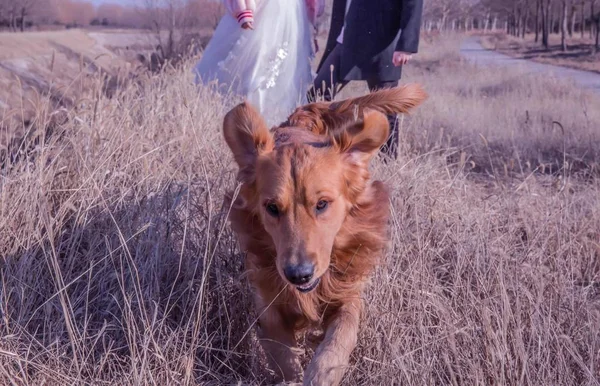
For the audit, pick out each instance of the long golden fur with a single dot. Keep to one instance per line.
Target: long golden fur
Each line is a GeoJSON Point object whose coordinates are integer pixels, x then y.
{"type": "Point", "coordinates": [306, 200]}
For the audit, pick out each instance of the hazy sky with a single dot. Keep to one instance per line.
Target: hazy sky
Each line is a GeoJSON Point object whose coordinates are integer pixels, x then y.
{"type": "Point", "coordinates": [122, 2]}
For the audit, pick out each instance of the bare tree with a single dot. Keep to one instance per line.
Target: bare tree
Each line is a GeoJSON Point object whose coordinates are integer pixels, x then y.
{"type": "Point", "coordinates": [444, 9]}
{"type": "Point", "coordinates": [24, 9]}
{"type": "Point", "coordinates": [8, 13]}
{"type": "Point", "coordinates": [563, 26]}
{"type": "Point", "coordinates": [176, 24]}
{"type": "Point", "coordinates": [538, 5]}
{"type": "Point", "coordinates": [544, 18]}
{"type": "Point", "coordinates": [518, 17]}
{"type": "Point", "coordinates": [445, 14]}
{"type": "Point", "coordinates": [592, 24]}
{"type": "Point", "coordinates": [573, 19]}
{"type": "Point", "coordinates": [546, 6]}
{"type": "Point", "coordinates": [169, 19]}
{"type": "Point", "coordinates": [525, 21]}
{"type": "Point", "coordinates": [582, 19]}
{"type": "Point", "coordinates": [596, 22]}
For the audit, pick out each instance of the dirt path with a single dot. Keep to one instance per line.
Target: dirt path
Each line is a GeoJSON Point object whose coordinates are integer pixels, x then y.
{"type": "Point", "coordinates": [473, 51]}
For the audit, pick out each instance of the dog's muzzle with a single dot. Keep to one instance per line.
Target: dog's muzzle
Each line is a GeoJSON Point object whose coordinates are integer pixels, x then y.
{"type": "Point", "coordinates": [306, 288]}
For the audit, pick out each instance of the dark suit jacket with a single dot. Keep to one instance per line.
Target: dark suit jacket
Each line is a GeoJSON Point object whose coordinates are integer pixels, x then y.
{"type": "Point", "coordinates": [374, 30]}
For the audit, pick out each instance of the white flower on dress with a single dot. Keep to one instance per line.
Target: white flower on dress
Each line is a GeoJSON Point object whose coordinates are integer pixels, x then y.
{"type": "Point", "coordinates": [275, 65]}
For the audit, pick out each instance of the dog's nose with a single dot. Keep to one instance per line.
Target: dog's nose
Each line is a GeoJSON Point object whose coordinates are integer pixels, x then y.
{"type": "Point", "coordinates": [299, 274]}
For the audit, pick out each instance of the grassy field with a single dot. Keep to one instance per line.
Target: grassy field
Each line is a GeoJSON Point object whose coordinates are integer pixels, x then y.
{"type": "Point", "coordinates": [580, 52]}
{"type": "Point", "coordinates": [118, 267]}
{"type": "Point", "coordinates": [61, 65]}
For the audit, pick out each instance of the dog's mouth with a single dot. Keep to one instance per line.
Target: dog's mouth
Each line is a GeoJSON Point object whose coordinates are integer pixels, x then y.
{"type": "Point", "coordinates": [306, 288]}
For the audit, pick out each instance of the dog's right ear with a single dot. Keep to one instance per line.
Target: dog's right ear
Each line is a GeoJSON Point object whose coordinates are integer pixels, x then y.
{"type": "Point", "coordinates": [323, 117]}
{"type": "Point", "coordinates": [247, 135]}
{"type": "Point", "coordinates": [361, 140]}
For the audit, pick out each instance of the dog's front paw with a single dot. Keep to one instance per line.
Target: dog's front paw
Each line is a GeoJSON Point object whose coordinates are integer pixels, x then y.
{"type": "Point", "coordinates": [323, 374]}
{"type": "Point", "coordinates": [285, 363]}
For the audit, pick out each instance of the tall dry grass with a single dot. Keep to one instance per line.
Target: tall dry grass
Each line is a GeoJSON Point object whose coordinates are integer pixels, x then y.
{"type": "Point", "coordinates": [118, 266]}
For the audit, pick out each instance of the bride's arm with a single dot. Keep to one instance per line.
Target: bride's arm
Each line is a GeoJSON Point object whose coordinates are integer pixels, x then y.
{"type": "Point", "coordinates": [241, 10]}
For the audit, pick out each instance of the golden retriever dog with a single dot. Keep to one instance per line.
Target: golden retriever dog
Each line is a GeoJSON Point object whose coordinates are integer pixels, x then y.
{"type": "Point", "coordinates": [311, 222]}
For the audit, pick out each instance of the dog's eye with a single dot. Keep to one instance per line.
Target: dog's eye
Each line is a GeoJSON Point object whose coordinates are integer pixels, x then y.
{"type": "Point", "coordinates": [272, 209]}
{"type": "Point", "coordinates": [321, 206]}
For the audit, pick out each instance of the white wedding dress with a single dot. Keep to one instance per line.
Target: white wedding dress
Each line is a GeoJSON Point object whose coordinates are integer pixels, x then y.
{"type": "Point", "coordinates": [270, 65]}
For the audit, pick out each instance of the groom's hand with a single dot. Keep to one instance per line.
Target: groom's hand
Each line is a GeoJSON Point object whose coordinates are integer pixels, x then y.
{"type": "Point", "coordinates": [401, 58]}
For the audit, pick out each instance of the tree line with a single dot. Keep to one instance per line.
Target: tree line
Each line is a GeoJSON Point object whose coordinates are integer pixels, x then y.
{"type": "Point", "coordinates": [20, 15]}
{"type": "Point", "coordinates": [541, 18]}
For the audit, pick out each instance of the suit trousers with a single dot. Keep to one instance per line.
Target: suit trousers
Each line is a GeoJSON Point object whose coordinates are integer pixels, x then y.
{"type": "Point", "coordinates": [328, 82]}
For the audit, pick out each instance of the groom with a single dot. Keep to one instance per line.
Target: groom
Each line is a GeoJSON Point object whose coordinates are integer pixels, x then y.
{"type": "Point", "coordinates": [369, 40]}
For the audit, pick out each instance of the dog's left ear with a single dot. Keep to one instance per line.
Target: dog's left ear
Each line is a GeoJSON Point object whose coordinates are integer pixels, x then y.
{"type": "Point", "coordinates": [247, 136]}
{"type": "Point", "coordinates": [361, 140]}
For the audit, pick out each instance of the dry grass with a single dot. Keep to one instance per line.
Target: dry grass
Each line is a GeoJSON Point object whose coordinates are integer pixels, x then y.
{"type": "Point", "coordinates": [118, 266]}
{"type": "Point", "coordinates": [59, 63]}
{"type": "Point", "coordinates": [580, 52]}
{"type": "Point", "coordinates": [524, 122]}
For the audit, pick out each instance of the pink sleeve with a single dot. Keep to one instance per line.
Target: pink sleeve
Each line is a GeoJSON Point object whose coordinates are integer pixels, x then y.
{"type": "Point", "coordinates": [241, 10]}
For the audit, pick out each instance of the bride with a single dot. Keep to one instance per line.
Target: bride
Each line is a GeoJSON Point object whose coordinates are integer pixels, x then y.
{"type": "Point", "coordinates": [262, 51]}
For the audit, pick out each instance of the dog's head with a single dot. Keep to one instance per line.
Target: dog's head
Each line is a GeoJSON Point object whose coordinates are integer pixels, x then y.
{"type": "Point", "coordinates": [303, 183]}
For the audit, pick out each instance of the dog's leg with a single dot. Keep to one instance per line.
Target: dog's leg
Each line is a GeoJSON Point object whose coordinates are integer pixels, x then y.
{"type": "Point", "coordinates": [279, 343]}
{"type": "Point", "coordinates": [333, 354]}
